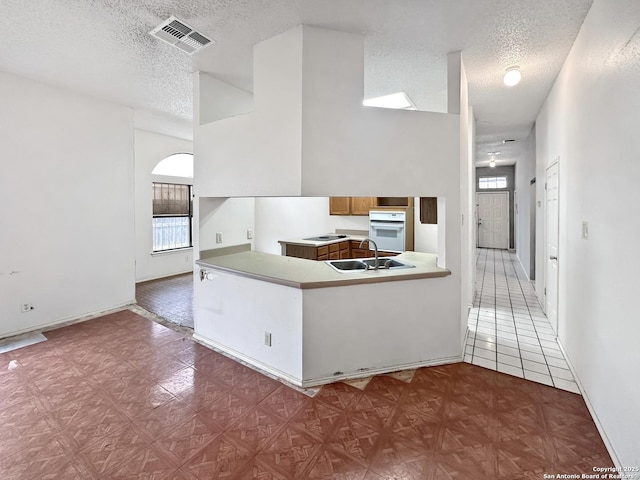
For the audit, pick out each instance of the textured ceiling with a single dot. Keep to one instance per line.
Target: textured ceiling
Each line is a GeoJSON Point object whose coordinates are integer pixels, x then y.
{"type": "Point", "coordinates": [102, 48]}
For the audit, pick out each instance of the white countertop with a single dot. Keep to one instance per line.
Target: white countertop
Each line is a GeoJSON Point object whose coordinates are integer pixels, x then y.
{"type": "Point", "coordinates": [302, 273]}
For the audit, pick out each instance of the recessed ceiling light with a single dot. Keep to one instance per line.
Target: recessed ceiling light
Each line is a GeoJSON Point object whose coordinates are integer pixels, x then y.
{"type": "Point", "coordinates": [399, 100]}
{"type": "Point", "coordinates": [512, 76]}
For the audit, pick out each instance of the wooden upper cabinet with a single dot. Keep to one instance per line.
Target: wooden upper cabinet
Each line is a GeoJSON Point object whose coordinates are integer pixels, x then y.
{"type": "Point", "coordinates": [429, 210]}
{"type": "Point", "coordinates": [340, 205]}
{"type": "Point", "coordinates": [362, 205]}
{"type": "Point", "coordinates": [394, 202]}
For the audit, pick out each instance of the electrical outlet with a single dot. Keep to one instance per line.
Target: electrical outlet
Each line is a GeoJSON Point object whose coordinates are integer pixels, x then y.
{"type": "Point", "coordinates": [219, 237]}
{"type": "Point", "coordinates": [267, 339]}
{"type": "Point", "coordinates": [249, 234]}
{"type": "Point", "coordinates": [27, 307]}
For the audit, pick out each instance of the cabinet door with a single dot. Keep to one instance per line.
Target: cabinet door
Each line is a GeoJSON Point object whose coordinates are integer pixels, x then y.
{"type": "Point", "coordinates": [339, 205]}
{"type": "Point", "coordinates": [322, 252]}
{"type": "Point", "coordinates": [345, 251]}
{"type": "Point", "coordinates": [394, 201]}
{"type": "Point", "coordinates": [301, 251]}
{"type": "Point", "coordinates": [362, 205]}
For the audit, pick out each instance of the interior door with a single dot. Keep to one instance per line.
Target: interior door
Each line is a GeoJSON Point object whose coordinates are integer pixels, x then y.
{"type": "Point", "coordinates": [493, 220]}
{"type": "Point", "coordinates": [551, 246]}
{"type": "Point", "coordinates": [532, 230]}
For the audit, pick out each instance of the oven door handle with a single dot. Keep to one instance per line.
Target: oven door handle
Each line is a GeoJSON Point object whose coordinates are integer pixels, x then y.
{"type": "Point", "coordinates": [396, 226]}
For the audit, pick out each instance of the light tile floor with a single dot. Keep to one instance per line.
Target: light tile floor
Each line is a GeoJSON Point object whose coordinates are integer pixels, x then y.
{"type": "Point", "coordinates": [508, 331]}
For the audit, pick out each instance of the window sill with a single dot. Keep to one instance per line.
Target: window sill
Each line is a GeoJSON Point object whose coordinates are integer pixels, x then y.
{"type": "Point", "coordinates": [169, 252]}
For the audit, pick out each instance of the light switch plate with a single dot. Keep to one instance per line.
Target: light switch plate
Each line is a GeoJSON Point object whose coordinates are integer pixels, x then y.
{"type": "Point", "coordinates": [585, 230]}
{"type": "Point", "coordinates": [219, 237]}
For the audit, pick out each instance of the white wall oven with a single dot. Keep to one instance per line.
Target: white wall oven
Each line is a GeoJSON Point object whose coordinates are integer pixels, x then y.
{"type": "Point", "coordinates": [389, 230]}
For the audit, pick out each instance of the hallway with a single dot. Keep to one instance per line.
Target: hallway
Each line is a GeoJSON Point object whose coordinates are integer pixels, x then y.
{"type": "Point", "coordinates": [508, 331]}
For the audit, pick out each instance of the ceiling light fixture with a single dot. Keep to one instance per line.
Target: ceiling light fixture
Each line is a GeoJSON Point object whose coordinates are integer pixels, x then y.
{"type": "Point", "coordinates": [399, 100]}
{"type": "Point", "coordinates": [512, 76]}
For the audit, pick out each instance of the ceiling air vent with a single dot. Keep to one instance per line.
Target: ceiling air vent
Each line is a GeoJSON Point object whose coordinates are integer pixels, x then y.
{"type": "Point", "coordinates": [180, 35]}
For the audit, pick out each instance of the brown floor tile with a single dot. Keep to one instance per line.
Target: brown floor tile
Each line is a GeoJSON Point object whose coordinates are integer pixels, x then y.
{"type": "Point", "coordinates": [282, 401]}
{"type": "Point", "coordinates": [220, 459]}
{"type": "Point", "coordinates": [37, 460]}
{"type": "Point", "coordinates": [332, 464]}
{"type": "Point", "coordinates": [357, 440]}
{"type": "Point", "coordinates": [159, 421]}
{"type": "Point", "coordinates": [255, 430]}
{"type": "Point", "coordinates": [290, 454]}
{"type": "Point", "coordinates": [170, 298]}
{"type": "Point", "coordinates": [186, 440]}
{"type": "Point", "coordinates": [123, 397]}
{"type": "Point", "coordinates": [317, 418]}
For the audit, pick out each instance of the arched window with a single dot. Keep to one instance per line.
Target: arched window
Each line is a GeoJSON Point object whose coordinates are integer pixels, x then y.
{"type": "Point", "coordinates": [172, 204]}
{"type": "Point", "coordinates": [176, 165]}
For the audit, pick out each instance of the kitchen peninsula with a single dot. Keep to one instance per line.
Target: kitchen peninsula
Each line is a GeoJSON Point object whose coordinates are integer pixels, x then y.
{"type": "Point", "coordinates": [329, 247]}
{"type": "Point", "coordinates": [309, 324]}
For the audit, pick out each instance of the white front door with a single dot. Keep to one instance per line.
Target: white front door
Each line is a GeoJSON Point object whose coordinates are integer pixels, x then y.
{"type": "Point", "coordinates": [493, 220]}
{"type": "Point", "coordinates": [551, 270]}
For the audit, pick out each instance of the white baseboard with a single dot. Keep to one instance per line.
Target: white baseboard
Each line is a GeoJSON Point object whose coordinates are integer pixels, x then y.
{"type": "Point", "coordinates": [594, 415]}
{"type": "Point", "coordinates": [165, 275]}
{"type": "Point", "coordinates": [43, 327]}
{"type": "Point", "coordinates": [379, 371]}
{"type": "Point", "coordinates": [315, 382]}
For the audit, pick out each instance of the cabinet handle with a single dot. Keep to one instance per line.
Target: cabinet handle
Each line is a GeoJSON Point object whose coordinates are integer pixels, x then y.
{"type": "Point", "coordinates": [553, 258]}
{"type": "Point", "coordinates": [203, 274]}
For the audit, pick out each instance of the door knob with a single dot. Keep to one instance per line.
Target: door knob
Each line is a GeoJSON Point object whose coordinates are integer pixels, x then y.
{"type": "Point", "coordinates": [553, 258]}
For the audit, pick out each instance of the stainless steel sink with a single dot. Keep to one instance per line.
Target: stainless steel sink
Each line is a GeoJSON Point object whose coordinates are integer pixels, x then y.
{"type": "Point", "coordinates": [386, 262]}
{"type": "Point", "coordinates": [346, 266]}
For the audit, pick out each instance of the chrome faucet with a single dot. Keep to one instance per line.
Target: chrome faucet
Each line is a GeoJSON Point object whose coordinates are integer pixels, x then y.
{"type": "Point", "coordinates": [375, 250]}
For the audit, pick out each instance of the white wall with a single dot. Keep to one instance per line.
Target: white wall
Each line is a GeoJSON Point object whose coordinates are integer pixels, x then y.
{"type": "Point", "coordinates": [525, 171]}
{"type": "Point", "coordinates": [467, 189]}
{"type": "Point", "coordinates": [219, 100]}
{"type": "Point", "coordinates": [230, 216]}
{"type": "Point", "coordinates": [344, 330]}
{"type": "Point", "coordinates": [226, 320]}
{"type": "Point", "coordinates": [66, 205]}
{"type": "Point", "coordinates": [151, 148]}
{"type": "Point", "coordinates": [590, 122]}
{"type": "Point", "coordinates": [256, 153]}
